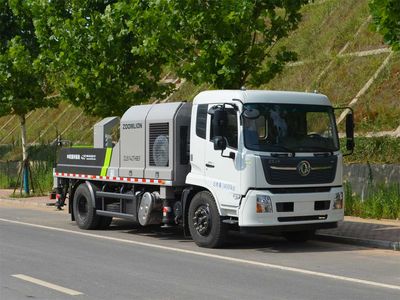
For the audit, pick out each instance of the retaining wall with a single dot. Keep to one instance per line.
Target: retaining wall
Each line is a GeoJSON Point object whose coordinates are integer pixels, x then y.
{"type": "Point", "coordinates": [360, 175]}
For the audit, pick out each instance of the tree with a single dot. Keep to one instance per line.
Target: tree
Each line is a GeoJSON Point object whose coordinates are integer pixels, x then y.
{"type": "Point", "coordinates": [230, 43]}
{"type": "Point", "coordinates": [23, 83]}
{"type": "Point", "coordinates": [386, 19]}
{"type": "Point", "coordinates": [107, 55]}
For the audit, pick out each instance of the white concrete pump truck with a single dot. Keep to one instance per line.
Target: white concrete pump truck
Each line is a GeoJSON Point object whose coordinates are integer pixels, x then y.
{"type": "Point", "coordinates": [265, 161]}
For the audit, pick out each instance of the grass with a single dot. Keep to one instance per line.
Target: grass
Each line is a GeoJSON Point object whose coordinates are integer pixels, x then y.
{"type": "Point", "coordinates": [367, 39]}
{"type": "Point", "coordinates": [347, 76]}
{"type": "Point", "coordinates": [326, 28]}
{"type": "Point", "coordinates": [379, 108]}
{"type": "Point", "coordinates": [374, 150]}
{"type": "Point", "coordinates": [382, 201]}
{"type": "Point", "coordinates": [297, 77]}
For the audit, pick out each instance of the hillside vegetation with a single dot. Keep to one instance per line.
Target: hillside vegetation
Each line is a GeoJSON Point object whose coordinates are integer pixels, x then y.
{"type": "Point", "coordinates": [336, 57]}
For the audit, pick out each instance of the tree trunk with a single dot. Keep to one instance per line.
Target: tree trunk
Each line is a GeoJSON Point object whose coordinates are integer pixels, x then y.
{"type": "Point", "coordinates": [23, 137]}
{"type": "Point", "coordinates": [25, 162]}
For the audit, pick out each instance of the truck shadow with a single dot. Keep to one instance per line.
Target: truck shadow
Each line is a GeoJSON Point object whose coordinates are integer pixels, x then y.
{"type": "Point", "coordinates": [236, 241]}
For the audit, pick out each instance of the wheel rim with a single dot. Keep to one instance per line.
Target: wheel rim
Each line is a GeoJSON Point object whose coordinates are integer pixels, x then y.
{"type": "Point", "coordinates": [202, 220]}
{"type": "Point", "coordinates": [83, 208]}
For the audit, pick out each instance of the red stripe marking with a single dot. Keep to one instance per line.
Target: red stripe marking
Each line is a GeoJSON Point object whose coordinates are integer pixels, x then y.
{"type": "Point", "coordinates": [128, 179]}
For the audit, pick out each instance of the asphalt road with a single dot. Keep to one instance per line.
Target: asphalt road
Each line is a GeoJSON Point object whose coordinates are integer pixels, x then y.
{"type": "Point", "coordinates": [43, 255]}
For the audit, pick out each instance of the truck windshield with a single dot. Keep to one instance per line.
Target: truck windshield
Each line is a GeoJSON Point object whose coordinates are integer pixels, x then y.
{"type": "Point", "coordinates": [291, 128]}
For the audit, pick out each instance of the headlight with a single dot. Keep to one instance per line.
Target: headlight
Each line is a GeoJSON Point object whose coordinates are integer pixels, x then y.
{"type": "Point", "coordinates": [264, 204]}
{"type": "Point", "coordinates": [338, 203]}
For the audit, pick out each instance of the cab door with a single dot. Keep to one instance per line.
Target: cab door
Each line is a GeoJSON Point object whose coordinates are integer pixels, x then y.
{"type": "Point", "coordinates": [222, 174]}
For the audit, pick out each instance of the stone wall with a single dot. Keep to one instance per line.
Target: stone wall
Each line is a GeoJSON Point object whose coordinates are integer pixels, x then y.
{"type": "Point", "coordinates": [359, 175]}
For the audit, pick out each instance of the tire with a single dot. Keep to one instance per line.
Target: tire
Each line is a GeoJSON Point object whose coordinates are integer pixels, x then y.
{"type": "Point", "coordinates": [84, 211]}
{"type": "Point", "coordinates": [205, 223]}
{"type": "Point", "coordinates": [299, 236]}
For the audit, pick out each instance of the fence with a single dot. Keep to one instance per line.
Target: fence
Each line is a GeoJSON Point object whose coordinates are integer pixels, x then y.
{"type": "Point", "coordinates": [42, 160]}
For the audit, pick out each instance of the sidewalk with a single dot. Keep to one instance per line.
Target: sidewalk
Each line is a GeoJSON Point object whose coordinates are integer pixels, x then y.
{"type": "Point", "coordinates": [24, 202]}
{"type": "Point", "coordinates": [383, 234]}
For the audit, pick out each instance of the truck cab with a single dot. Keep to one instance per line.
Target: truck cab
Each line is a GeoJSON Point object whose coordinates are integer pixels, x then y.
{"type": "Point", "coordinates": [270, 159]}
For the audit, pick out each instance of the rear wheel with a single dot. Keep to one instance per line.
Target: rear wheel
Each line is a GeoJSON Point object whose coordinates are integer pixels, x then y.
{"type": "Point", "coordinates": [84, 211]}
{"type": "Point", "coordinates": [205, 224]}
{"type": "Point", "coordinates": [299, 236]}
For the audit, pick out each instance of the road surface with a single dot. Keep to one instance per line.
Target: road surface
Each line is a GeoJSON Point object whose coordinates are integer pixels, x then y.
{"type": "Point", "coordinates": [43, 255]}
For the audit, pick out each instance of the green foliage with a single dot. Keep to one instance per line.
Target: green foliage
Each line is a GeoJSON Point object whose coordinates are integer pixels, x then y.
{"type": "Point", "coordinates": [23, 84]}
{"type": "Point", "coordinates": [229, 43]}
{"type": "Point", "coordinates": [382, 201]}
{"type": "Point", "coordinates": [374, 150]}
{"type": "Point", "coordinates": [107, 55]}
{"type": "Point", "coordinates": [386, 17]}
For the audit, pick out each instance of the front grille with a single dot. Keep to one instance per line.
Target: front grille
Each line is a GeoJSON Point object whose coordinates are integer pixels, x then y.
{"type": "Point", "coordinates": [300, 190]}
{"type": "Point", "coordinates": [284, 170]}
{"type": "Point", "coordinates": [302, 218]}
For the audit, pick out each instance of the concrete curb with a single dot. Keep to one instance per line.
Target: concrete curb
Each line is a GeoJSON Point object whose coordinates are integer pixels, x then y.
{"type": "Point", "coordinates": [388, 245]}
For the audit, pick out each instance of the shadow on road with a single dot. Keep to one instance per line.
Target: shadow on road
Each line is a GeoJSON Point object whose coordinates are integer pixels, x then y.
{"type": "Point", "coordinates": [235, 241]}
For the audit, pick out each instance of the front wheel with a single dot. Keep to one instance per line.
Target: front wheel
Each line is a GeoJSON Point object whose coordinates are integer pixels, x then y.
{"type": "Point", "coordinates": [205, 224]}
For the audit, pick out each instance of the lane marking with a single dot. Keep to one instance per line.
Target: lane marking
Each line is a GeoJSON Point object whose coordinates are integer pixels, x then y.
{"type": "Point", "coordinates": [48, 285]}
{"type": "Point", "coordinates": [216, 256]}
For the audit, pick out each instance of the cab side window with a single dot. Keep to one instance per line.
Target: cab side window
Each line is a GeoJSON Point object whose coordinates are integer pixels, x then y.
{"type": "Point", "coordinates": [231, 130]}
{"type": "Point", "coordinates": [201, 120]}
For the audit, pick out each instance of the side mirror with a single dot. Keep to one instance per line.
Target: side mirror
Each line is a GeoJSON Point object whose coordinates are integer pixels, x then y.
{"type": "Point", "coordinates": [350, 132]}
{"type": "Point", "coordinates": [349, 115]}
{"type": "Point", "coordinates": [219, 143]}
{"type": "Point", "coordinates": [219, 120]}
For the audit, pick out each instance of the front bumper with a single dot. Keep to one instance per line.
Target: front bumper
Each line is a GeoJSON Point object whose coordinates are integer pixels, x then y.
{"type": "Point", "coordinates": [302, 209]}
